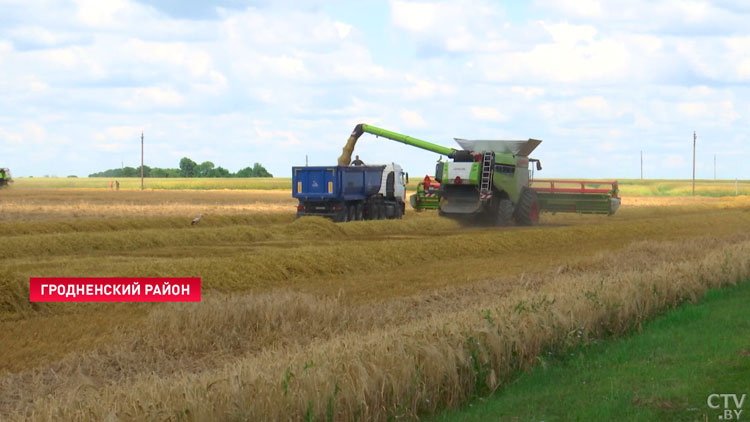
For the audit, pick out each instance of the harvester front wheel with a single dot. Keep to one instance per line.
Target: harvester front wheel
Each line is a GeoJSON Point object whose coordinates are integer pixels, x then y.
{"type": "Point", "coordinates": [527, 211]}
{"type": "Point", "coordinates": [504, 216]}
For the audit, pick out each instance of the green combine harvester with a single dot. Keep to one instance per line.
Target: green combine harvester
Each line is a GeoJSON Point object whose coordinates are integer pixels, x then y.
{"type": "Point", "coordinates": [490, 181]}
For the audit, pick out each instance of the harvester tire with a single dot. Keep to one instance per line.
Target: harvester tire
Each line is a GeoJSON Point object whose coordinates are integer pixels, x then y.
{"type": "Point", "coordinates": [504, 216]}
{"type": "Point", "coordinates": [527, 210]}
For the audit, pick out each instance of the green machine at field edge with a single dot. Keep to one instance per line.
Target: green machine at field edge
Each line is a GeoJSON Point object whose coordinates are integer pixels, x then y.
{"type": "Point", "coordinates": [5, 178]}
{"type": "Point", "coordinates": [489, 180]}
{"type": "Point", "coordinates": [427, 196]}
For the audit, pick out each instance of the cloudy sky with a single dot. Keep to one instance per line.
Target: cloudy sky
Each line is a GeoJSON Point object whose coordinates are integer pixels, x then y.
{"type": "Point", "coordinates": [235, 82]}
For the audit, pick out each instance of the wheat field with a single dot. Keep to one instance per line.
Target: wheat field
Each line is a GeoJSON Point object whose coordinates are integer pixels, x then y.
{"type": "Point", "coordinates": [310, 320]}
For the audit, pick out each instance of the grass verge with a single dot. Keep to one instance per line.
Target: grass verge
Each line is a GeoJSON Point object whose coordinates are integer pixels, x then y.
{"type": "Point", "coordinates": [666, 372]}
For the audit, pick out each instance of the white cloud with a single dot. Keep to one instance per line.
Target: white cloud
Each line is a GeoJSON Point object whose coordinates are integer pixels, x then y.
{"type": "Point", "coordinates": [12, 138]}
{"type": "Point", "coordinates": [118, 133]}
{"type": "Point", "coordinates": [343, 29]}
{"type": "Point", "coordinates": [456, 26]}
{"type": "Point", "coordinates": [108, 14]}
{"type": "Point", "coordinates": [530, 92]}
{"type": "Point", "coordinates": [488, 113]}
{"type": "Point", "coordinates": [155, 97]}
{"type": "Point", "coordinates": [412, 119]}
{"type": "Point", "coordinates": [415, 16]}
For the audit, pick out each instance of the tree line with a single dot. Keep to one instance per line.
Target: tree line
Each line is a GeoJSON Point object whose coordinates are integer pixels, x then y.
{"type": "Point", "coordinates": [188, 168]}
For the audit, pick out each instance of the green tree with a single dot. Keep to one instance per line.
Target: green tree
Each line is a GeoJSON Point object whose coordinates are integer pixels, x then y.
{"type": "Point", "coordinates": [187, 167]}
{"type": "Point", "coordinates": [260, 171]}
{"type": "Point", "coordinates": [130, 172]}
{"type": "Point", "coordinates": [204, 169]}
{"type": "Point", "coordinates": [246, 172]}
{"type": "Point", "coordinates": [219, 172]}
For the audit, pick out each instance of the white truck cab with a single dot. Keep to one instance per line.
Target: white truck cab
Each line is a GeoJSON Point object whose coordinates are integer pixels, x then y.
{"type": "Point", "coordinates": [393, 184]}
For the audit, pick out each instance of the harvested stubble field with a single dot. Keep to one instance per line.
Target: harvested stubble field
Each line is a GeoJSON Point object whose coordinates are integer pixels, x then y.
{"type": "Point", "coordinates": [312, 320]}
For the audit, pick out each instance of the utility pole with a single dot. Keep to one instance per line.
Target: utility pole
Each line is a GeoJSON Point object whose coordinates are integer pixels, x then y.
{"type": "Point", "coordinates": [305, 160]}
{"type": "Point", "coordinates": [142, 161]}
{"type": "Point", "coordinates": [714, 166]}
{"type": "Point", "coordinates": [641, 164]}
{"type": "Point", "coordinates": [694, 138]}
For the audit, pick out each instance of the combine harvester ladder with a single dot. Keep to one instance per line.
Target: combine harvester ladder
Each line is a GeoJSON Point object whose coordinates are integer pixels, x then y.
{"type": "Point", "coordinates": [488, 160]}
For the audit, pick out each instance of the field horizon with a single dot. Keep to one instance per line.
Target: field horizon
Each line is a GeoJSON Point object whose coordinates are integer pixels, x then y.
{"type": "Point", "coordinates": [648, 187]}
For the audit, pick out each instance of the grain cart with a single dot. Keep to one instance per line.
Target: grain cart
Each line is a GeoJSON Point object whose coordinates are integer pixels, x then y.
{"type": "Point", "coordinates": [489, 180]}
{"type": "Point", "coordinates": [350, 193]}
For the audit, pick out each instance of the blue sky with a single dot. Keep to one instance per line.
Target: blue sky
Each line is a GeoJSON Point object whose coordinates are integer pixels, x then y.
{"type": "Point", "coordinates": [235, 82]}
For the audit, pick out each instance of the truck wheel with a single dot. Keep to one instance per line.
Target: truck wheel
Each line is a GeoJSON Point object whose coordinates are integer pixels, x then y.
{"type": "Point", "coordinates": [359, 215]}
{"type": "Point", "coordinates": [342, 216]}
{"type": "Point", "coordinates": [527, 211]}
{"type": "Point", "coordinates": [504, 215]}
{"type": "Point", "coordinates": [352, 211]}
{"type": "Point", "coordinates": [381, 211]}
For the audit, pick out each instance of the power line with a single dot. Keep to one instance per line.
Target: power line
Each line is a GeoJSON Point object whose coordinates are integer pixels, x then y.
{"type": "Point", "coordinates": [141, 160]}
{"type": "Point", "coordinates": [694, 138]}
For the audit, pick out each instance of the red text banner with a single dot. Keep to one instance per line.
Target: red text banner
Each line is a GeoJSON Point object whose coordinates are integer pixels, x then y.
{"type": "Point", "coordinates": [115, 289]}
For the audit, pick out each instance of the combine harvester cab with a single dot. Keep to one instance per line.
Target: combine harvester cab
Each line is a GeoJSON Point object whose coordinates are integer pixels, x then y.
{"type": "Point", "coordinates": [350, 193]}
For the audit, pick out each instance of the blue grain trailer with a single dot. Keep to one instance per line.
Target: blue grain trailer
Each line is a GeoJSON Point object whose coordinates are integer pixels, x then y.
{"type": "Point", "coordinates": [350, 193]}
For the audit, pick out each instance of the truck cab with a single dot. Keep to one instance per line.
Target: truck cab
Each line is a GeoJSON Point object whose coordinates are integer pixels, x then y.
{"type": "Point", "coordinates": [393, 182]}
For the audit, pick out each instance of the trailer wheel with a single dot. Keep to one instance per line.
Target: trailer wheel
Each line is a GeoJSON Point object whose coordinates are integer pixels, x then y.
{"type": "Point", "coordinates": [359, 215]}
{"type": "Point", "coordinates": [352, 212]}
{"type": "Point", "coordinates": [504, 216]}
{"type": "Point", "coordinates": [342, 216]}
{"type": "Point", "coordinates": [527, 211]}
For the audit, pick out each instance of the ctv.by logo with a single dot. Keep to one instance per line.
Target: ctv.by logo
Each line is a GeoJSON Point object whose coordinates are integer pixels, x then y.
{"type": "Point", "coordinates": [732, 408]}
